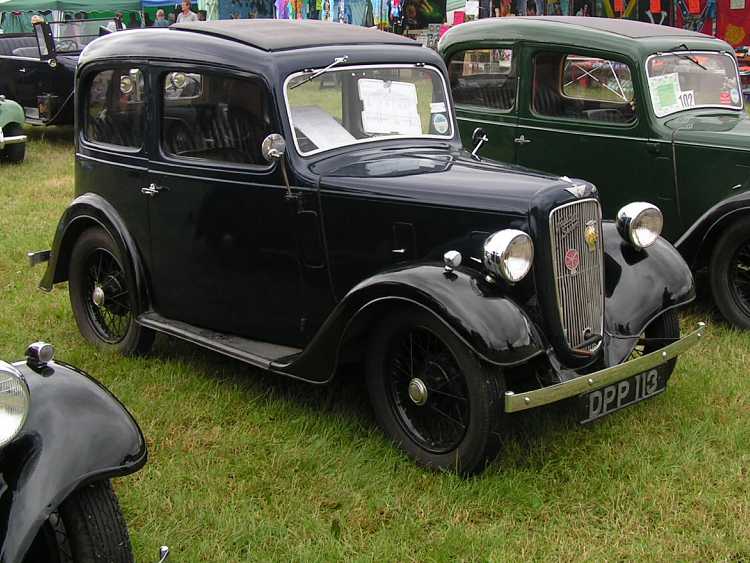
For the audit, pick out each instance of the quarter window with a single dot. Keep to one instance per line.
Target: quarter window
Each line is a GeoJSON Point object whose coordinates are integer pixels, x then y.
{"type": "Point", "coordinates": [583, 88]}
{"type": "Point", "coordinates": [214, 117]}
{"type": "Point", "coordinates": [483, 78]}
{"type": "Point", "coordinates": [114, 108]}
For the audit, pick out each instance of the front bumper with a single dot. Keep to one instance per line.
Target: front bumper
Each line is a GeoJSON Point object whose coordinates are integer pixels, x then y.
{"type": "Point", "coordinates": [15, 140]}
{"type": "Point", "coordinates": [593, 381]}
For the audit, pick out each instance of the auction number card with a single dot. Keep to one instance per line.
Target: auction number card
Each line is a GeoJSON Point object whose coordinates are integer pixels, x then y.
{"type": "Point", "coordinates": [390, 108]}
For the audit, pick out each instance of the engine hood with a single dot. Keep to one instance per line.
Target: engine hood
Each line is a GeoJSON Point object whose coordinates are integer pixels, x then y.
{"type": "Point", "coordinates": [727, 129]}
{"type": "Point", "coordinates": [447, 178]}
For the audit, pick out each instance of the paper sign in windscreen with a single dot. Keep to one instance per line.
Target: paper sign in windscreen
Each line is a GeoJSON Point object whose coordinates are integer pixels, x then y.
{"type": "Point", "coordinates": [389, 108]}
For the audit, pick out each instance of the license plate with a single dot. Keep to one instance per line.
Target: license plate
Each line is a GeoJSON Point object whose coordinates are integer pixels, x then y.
{"type": "Point", "coordinates": [604, 401]}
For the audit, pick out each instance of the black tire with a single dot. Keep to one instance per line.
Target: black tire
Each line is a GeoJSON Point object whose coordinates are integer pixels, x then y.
{"type": "Point", "coordinates": [109, 322]}
{"type": "Point", "coordinates": [13, 153]}
{"type": "Point", "coordinates": [662, 331]}
{"type": "Point", "coordinates": [729, 273]}
{"type": "Point", "coordinates": [456, 427]}
{"type": "Point", "coordinates": [87, 528]}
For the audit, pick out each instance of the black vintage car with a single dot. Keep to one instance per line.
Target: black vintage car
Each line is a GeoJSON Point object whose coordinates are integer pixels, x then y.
{"type": "Point", "coordinates": [63, 436]}
{"type": "Point", "coordinates": [38, 69]}
{"type": "Point", "coordinates": [295, 195]}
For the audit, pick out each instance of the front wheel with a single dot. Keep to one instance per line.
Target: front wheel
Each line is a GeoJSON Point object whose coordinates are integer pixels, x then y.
{"type": "Point", "coordinates": [664, 330]}
{"type": "Point", "coordinates": [729, 273]}
{"type": "Point", "coordinates": [103, 297]}
{"type": "Point", "coordinates": [13, 153]}
{"type": "Point", "coordinates": [432, 395]}
{"type": "Point", "coordinates": [87, 528]}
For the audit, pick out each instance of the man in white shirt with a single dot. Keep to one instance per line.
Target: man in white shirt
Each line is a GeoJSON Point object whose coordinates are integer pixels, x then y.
{"type": "Point", "coordinates": [186, 15]}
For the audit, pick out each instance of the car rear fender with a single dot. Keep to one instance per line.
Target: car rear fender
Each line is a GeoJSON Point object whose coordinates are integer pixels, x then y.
{"type": "Point", "coordinates": [76, 433]}
{"type": "Point", "coordinates": [639, 286]}
{"type": "Point", "coordinates": [493, 326]}
{"type": "Point", "coordinates": [91, 210]}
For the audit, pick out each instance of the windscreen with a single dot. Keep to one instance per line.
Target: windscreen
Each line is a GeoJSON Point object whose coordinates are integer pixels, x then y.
{"type": "Point", "coordinates": [683, 80]}
{"type": "Point", "coordinates": [354, 105]}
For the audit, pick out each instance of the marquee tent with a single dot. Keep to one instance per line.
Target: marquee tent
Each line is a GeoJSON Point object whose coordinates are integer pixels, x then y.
{"type": "Point", "coordinates": [70, 5]}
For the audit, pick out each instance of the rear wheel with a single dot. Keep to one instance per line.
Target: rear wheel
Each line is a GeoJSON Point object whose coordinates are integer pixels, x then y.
{"type": "Point", "coordinates": [729, 273]}
{"type": "Point", "coordinates": [432, 395]}
{"type": "Point", "coordinates": [664, 330]}
{"type": "Point", "coordinates": [13, 153]}
{"type": "Point", "coordinates": [88, 527]}
{"type": "Point", "coordinates": [103, 297]}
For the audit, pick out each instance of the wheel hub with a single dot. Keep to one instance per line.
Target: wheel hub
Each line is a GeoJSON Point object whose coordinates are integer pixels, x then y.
{"type": "Point", "coordinates": [98, 296]}
{"type": "Point", "coordinates": [418, 391]}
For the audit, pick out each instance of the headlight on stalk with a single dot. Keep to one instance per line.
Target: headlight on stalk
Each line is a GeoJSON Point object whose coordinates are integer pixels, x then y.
{"type": "Point", "coordinates": [14, 402]}
{"type": "Point", "coordinates": [640, 223]}
{"type": "Point", "coordinates": [509, 254]}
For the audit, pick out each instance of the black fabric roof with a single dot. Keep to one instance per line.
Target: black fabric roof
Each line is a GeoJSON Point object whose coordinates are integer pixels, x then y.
{"type": "Point", "coordinates": [627, 28]}
{"type": "Point", "coordinates": [280, 35]}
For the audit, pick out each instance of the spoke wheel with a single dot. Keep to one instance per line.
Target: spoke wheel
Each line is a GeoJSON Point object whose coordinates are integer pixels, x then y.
{"type": "Point", "coordinates": [108, 303]}
{"type": "Point", "coordinates": [729, 272]}
{"type": "Point", "coordinates": [739, 277]}
{"type": "Point", "coordinates": [431, 394]}
{"type": "Point", "coordinates": [428, 390]}
{"type": "Point", "coordinates": [662, 331]}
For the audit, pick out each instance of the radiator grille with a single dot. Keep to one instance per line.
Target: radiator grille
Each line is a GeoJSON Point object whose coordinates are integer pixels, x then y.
{"type": "Point", "coordinates": [577, 264]}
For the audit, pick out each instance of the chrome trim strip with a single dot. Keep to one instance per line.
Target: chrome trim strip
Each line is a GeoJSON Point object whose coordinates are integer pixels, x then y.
{"type": "Point", "coordinates": [593, 381]}
{"type": "Point", "coordinates": [15, 140]}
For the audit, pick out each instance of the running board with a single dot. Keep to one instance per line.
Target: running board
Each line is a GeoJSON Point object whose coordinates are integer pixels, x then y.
{"type": "Point", "coordinates": [259, 354]}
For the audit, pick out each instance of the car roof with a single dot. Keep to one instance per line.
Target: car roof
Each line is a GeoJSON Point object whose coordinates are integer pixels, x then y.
{"type": "Point", "coordinates": [282, 35]}
{"type": "Point", "coordinates": [612, 34]}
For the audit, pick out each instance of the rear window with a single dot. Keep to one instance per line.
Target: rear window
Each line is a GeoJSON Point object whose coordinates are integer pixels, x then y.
{"type": "Point", "coordinates": [115, 108]}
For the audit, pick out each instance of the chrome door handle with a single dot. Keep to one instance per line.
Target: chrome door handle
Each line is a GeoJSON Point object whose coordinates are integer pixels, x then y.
{"type": "Point", "coordinates": [521, 140]}
{"type": "Point", "coordinates": [152, 190]}
{"type": "Point", "coordinates": [21, 69]}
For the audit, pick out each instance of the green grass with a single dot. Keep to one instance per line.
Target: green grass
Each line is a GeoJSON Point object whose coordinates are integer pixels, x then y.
{"type": "Point", "coordinates": [246, 466]}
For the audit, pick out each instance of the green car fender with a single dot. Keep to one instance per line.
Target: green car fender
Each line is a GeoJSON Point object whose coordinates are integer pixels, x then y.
{"type": "Point", "coordinates": [10, 112]}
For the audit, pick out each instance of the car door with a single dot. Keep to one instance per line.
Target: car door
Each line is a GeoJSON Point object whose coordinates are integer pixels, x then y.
{"type": "Point", "coordinates": [224, 250]}
{"type": "Point", "coordinates": [584, 117]}
{"type": "Point", "coordinates": [484, 82]}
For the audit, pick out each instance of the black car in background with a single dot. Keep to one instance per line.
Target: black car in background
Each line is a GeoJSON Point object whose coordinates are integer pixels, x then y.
{"type": "Point", "coordinates": [295, 195]}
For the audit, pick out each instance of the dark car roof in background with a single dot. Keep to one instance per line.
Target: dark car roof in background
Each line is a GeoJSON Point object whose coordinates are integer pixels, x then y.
{"type": "Point", "coordinates": [617, 35]}
{"type": "Point", "coordinates": [282, 35]}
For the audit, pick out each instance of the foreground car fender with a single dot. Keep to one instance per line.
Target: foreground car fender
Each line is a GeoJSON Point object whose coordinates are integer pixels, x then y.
{"type": "Point", "coordinates": [639, 286]}
{"type": "Point", "coordinates": [491, 325]}
{"type": "Point", "coordinates": [86, 211]}
{"type": "Point", "coordinates": [76, 433]}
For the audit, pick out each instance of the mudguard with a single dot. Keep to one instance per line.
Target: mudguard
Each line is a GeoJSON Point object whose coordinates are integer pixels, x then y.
{"type": "Point", "coordinates": [85, 211]}
{"type": "Point", "coordinates": [10, 112]}
{"type": "Point", "coordinates": [493, 326]}
{"type": "Point", "coordinates": [639, 285]}
{"type": "Point", "coordinates": [76, 433]}
{"type": "Point", "coordinates": [695, 245]}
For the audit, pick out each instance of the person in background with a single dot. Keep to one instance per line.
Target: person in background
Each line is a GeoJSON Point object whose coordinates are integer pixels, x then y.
{"type": "Point", "coordinates": [36, 18]}
{"type": "Point", "coordinates": [186, 15]}
{"type": "Point", "coordinates": [161, 20]}
{"type": "Point", "coordinates": [116, 24]}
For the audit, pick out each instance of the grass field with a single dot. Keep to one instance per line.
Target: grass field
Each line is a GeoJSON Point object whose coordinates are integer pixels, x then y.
{"type": "Point", "coordinates": [245, 466]}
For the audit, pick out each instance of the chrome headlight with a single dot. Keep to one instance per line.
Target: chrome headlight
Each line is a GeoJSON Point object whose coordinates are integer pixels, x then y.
{"type": "Point", "coordinates": [14, 402]}
{"type": "Point", "coordinates": [509, 254]}
{"type": "Point", "coordinates": [640, 223]}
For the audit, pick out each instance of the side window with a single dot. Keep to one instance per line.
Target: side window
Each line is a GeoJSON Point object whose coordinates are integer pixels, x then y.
{"type": "Point", "coordinates": [483, 78]}
{"type": "Point", "coordinates": [213, 117]}
{"type": "Point", "coordinates": [583, 88]}
{"type": "Point", "coordinates": [114, 108]}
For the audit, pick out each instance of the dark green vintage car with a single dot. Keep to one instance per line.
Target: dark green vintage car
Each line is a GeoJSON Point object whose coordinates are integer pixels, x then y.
{"type": "Point", "coordinates": [645, 112]}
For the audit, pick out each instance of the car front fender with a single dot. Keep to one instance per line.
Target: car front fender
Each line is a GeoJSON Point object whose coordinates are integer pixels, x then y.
{"type": "Point", "coordinates": [91, 210]}
{"type": "Point", "coordinates": [639, 286]}
{"type": "Point", "coordinates": [493, 326]}
{"type": "Point", "coordinates": [76, 432]}
{"type": "Point", "coordinates": [11, 112]}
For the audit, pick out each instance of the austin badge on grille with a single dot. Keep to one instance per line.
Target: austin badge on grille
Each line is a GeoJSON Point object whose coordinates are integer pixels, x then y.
{"type": "Point", "coordinates": [572, 260]}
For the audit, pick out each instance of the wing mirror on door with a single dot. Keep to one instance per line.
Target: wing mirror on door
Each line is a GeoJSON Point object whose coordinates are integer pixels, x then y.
{"type": "Point", "coordinates": [478, 139]}
{"type": "Point", "coordinates": [273, 149]}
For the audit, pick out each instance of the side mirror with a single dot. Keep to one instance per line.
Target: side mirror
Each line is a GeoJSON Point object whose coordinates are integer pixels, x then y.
{"type": "Point", "coordinates": [478, 139]}
{"type": "Point", "coordinates": [273, 148]}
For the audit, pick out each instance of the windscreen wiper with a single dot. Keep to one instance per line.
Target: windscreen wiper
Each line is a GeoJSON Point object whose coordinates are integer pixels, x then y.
{"type": "Point", "coordinates": [316, 73]}
{"type": "Point", "coordinates": [685, 55]}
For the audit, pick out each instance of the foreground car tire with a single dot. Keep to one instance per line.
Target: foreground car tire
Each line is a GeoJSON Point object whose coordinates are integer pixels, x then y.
{"type": "Point", "coordinates": [102, 296]}
{"type": "Point", "coordinates": [729, 273]}
{"type": "Point", "coordinates": [432, 395]}
{"type": "Point", "coordinates": [13, 153]}
{"type": "Point", "coordinates": [664, 330]}
{"type": "Point", "coordinates": [87, 528]}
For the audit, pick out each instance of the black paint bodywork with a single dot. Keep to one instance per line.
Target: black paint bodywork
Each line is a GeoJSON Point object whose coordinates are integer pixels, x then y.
{"type": "Point", "coordinates": [76, 433]}
{"type": "Point", "coordinates": [225, 249]}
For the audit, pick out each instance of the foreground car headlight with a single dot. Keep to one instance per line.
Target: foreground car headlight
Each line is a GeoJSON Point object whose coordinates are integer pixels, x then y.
{"type": "Point", "coordinates": [14, 402]}
{"type": "Point", "coordinates": [509, 254]}
{"type": "Point", "coordinates": [640, 223]}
